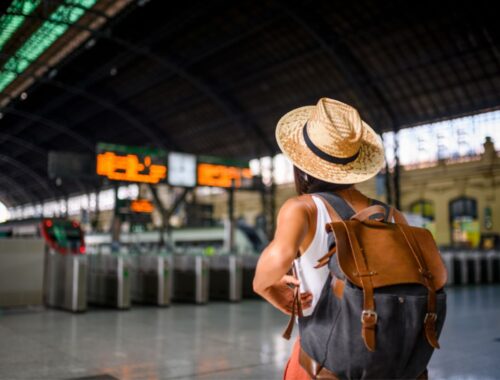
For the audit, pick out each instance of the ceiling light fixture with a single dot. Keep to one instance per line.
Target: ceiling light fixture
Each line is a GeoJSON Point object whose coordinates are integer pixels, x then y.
{"type": "Point", "coordinates": [43, 38]}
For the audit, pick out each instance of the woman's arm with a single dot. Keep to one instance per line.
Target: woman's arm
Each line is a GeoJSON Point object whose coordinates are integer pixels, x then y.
{"type": "Point", "coordinates": [270, 277]}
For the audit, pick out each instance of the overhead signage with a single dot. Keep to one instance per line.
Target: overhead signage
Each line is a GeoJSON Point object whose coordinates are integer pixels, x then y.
{"type": "Point", "coordinates": [70, 165]}
{"type": "Point", "coordinates": [144, 165]}
{"type": "Point", "coordinates": [182, 169]}
{"type": "Point", "coordinates": [216, 172]}
{"type": "Point", "coordinates": [129, 168]}
{"type": "Point", "coordinates": [142, 206]}
{"type": "Point", "coordinates": [123, 163]}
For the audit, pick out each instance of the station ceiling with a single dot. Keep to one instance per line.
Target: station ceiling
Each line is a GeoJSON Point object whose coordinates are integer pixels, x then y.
{"type": "Point", "coordinates": [214, 77]}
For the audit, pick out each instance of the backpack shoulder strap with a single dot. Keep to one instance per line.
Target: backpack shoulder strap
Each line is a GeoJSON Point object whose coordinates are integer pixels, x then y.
{"type": "Point", "coordinates": [399, 217]}
{"type": "Point", "coordinates": [296, 305]}
{"type": "Point", "coordinates": [340, 206]}
{"type": "Point", "coordinates": [391, 212]}
{"type": "Point", "coordinates": [388, 209]}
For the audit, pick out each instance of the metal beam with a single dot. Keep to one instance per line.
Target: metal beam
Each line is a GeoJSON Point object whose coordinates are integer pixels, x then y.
{"type": "Point", "coordinates": [124, 59]}
{"type": "Point", "coordinates": [20, 190]}
{"type": "Point", "coordinates": [32, 147]}
{"type": "Point", "coordinates": [351, 68]}
{"type": "Point", "coordinates": [341, 55]}
{"type": "Point", "coordinates": [22, 142]}
{"type": "Point", "coordinates": [43, 183]}
{"type": "Point", "coordinates": [56, 126]}
{"type": "Point", "coordinates": [136, 123]}
{"type": "Point", "coordinates": [228, 105]}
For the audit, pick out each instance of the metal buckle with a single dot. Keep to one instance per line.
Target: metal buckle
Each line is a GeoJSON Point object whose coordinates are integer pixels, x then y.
{"type": "Point", "coordinates": [368, 313]}
{"type": "Point", "coordinates": [432, 316]}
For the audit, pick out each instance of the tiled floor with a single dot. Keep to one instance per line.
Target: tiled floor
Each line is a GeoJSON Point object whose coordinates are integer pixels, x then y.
{"type": "Point", "coordinates": [217, 341]}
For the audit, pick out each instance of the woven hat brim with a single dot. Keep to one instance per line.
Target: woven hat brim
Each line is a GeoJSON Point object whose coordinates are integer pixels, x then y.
{"type": "Point", "coordinates": [290, 139]}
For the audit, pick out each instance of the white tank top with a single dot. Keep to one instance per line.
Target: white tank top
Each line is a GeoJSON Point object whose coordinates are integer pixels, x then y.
{"type": "Point", "coordinates": [312, 279]}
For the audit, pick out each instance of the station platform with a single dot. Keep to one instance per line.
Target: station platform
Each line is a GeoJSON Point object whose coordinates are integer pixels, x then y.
{"type": "Point", "coordinates": [216, 341]}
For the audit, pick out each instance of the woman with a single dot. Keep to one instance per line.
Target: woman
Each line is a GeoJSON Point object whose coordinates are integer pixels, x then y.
{"type": "Point", "coordinates": [331, 149]}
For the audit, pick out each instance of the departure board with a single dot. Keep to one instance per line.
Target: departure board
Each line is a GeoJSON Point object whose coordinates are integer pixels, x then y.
{"type": "Point", "coordinates": [217, 172]}
{"type": "Point", "coordinates": [142, 206]}
{"type": "Point", "coordinates": [131, 164]}
{"type": "Point", "coordinates": [147, 165]}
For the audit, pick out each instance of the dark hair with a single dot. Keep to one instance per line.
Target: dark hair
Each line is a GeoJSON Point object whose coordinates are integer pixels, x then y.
{"type": "Point", "coordinates": [307, 184]}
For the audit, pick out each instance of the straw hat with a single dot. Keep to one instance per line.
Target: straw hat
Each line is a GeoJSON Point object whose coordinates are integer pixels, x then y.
{"type": "Point", "coordinates": [330, 142]}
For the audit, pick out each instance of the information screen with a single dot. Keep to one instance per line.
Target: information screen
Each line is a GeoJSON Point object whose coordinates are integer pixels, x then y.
{"type": "Point", "coordinates": [142, 206]}
{"type": "Point", "coordinates": [146, 165]}
{"type": "Point", "coordinates": [182, 169]}
{"type": "Point", "coordinates": [123, 163]}
{"type": "Point", "coordinates": [216, 172]}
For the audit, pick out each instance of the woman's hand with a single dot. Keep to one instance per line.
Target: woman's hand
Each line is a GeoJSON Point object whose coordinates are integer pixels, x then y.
{"type": "Point", "coordinates": [280, 295]}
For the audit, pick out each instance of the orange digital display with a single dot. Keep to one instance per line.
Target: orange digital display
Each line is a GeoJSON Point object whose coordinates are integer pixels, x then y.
{"type": "Point", "coordinates": [129, 168]}
{"type": "Point", "coordinates": [222, 175]}
{"type": "Point", "coordinates": [142, 205]}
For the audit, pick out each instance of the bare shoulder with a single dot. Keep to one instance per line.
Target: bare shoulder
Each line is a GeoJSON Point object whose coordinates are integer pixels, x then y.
{"type": "Point", "coordinates": [302, 205]}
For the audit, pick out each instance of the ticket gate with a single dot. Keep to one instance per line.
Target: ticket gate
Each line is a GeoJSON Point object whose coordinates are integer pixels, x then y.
{"type": "Point", "coordinates": [65, 265]}
{"type": "Point", "coordinates": [108, 280]}
{"type": "Point", "coordinates": [65, 281]}
{"type": "Point", "coordinates": [151, 279]}
{"type": "Point", "coordinates": [472, 267]}
{"type": "Point", "coordinates": [226, 276]}
{"type": "Point", "coordinates": [191, 278]}
{"type": "Point", "coordinates": [449, 262]}
{"type": "Point", "coordinates": [249, 265]}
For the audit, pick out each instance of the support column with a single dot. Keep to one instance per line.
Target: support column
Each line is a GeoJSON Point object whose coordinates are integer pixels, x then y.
{"type": "Point", "coordinates": [396, 174]}
{"type": "Point", "coordinates": [164, 228]}
{"type": "Point", "coordinates": [272, 201]}
{"type": "Point", "coordinates": [115, 224]}
{"type": "Point", "coordinates": [230, 208]}
{"type": "Point", "coordinates": [387, 179]}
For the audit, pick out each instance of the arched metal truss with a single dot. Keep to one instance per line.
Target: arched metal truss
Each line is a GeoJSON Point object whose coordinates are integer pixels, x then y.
{"type": "Point", "coordinates": [227, 104]}
{"type": "Point", "coordinates": [42, 182]}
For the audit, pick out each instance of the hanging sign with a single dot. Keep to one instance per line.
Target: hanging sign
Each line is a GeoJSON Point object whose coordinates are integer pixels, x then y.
{"type": "Point", "coordinates": [142, 205]}
{"type": "Point", "coordinates": [123, 163]}
{"type": "Point", "coordinates": [144, 165]}
{"type": "Point", "coordinates": [216, 172]}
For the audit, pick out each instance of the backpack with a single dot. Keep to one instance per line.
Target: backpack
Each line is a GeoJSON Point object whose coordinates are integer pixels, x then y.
{"type": "Point", "coordinates": [382, 307]}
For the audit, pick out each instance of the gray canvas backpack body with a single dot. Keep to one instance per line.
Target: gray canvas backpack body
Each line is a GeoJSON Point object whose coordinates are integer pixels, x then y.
{"type": "Point", "coordinates": [382, 307]}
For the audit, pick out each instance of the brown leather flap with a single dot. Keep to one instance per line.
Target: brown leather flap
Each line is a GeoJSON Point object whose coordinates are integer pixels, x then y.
{"type": "Point", "coordinates": [387, 250]}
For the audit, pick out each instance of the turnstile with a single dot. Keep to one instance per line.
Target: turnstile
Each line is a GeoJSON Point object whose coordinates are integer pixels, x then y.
{"type": "Point", "coordinates": [151, 279]}
{"type": "Point", "coordinates": [65, 281]}
{"type": "Point", "coordinates": [226, 275]}
{"type": "Point", "coordinates": [108, 280]}
{"type": "Point", "coordinates": [449, 262]}
{"type": "Point", "coordinates": [472, 267]}
{"type": "Point", "coordinates": [191, 278]}
{"type": "Point", "coordinates": [249, 265]}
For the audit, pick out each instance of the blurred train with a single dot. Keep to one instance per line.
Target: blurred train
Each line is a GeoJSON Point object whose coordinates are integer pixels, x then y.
{"type": "Point", "coordinates": [189, 239]}
{"type": "Point", "coordinates": [247, 240]}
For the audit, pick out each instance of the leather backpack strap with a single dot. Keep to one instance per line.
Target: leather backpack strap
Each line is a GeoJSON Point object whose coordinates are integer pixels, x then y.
{"type": "Point", "coordinates": [296, 306]}
{"type": "Point", "coordinates": [399, 218]}
{"type": "Point", "coordinates": [387, 208]}
{"type": "Point", "coordinates": [431, 316]}
{"type": "Point", "coordinates": [368, 315]}
{"type": "Point", "coordinates": [375, 212]}
{"type": "Point", "coordinates": [324, 259]}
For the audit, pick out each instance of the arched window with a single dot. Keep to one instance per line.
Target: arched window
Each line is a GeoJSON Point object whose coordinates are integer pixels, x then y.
{"type": "Point", "coordinates": [464, 224]}
{"type": "Point", "coordinates": [424, 208]}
